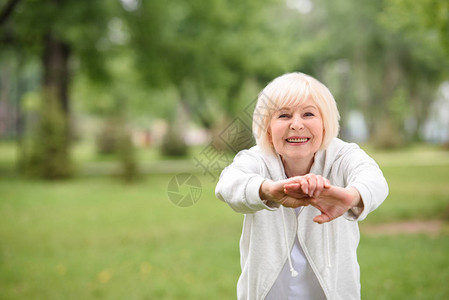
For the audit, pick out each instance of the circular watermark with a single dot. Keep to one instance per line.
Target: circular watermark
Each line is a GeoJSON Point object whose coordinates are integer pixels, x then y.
{"type": "Point", "coordinates": [184, 190]}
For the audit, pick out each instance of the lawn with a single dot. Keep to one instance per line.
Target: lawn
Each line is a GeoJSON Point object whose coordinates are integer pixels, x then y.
{"type": "Point", "coordinates": [96, 238]}
{"type": "Point", "coordinates": [404, 267]}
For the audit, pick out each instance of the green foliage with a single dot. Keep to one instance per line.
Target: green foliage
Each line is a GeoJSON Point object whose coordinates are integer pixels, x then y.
{"type": "Point", "coordinates": [421, 45]}
{"type": "Point", "coordinates": [127, 156]}
{"type": "Point", "coordinates": [81, 25]}
{"type": "Point", "coordinates": [147, 58]}
{"type": "Point", "coordinates": [387, 135]}
{"type": "Point", "coordinates": [398, 108]}
{"type": "Point", "coordinates": [381, 58]}
{"type": "Point", "coordinates": [49, 156]}
{"type": "Point", "coordinates": [115, 140]}
{"type": "Point", "coordinates": [108, 138]}
{"type": "Point", "coordinates": [202, 49]}
{"type": "Point", "coordinates": [390, 130]}
{"type": "Point", "coordinates": [231, 136]}
{"type": "Point", "coordinates": [60, 33]}
{"type": "Point", "coordinates": [126, 94]}
{"type": "Point", "coordinates": [424, 15]}
{"type": "Point", "coordinates": [173, 143]}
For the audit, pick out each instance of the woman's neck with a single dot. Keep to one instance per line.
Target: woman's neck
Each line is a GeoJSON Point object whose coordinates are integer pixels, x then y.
{"type": "Point", "coordinates": [296, 167]}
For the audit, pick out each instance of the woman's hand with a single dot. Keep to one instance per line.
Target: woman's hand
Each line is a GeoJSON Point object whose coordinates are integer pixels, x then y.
{"type": "Point", "coordinates": [308, 185]}
{"type": "Point", "coordinates": [315, 190]}
{"type": "Point", "coordinates": [275, 191]}
{"type": "Point", "coordinates": [332, 201]}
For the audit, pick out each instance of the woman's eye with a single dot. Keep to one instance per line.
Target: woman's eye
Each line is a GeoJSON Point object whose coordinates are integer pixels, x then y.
{"type": "Point", "coordinates": [284, 116]}
{"type": "Point", "coordinates": [308, 114]}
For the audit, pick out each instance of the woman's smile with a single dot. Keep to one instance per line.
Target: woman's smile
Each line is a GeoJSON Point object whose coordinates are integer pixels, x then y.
{"type": "Point", "coordinates": [297, 140]}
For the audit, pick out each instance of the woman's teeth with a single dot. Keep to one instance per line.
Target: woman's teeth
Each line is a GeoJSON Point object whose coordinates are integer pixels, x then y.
{"type": "Point", "coordinates": [302, 140]}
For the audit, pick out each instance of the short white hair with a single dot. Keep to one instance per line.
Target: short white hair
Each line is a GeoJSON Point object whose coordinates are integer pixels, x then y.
{"type": "Point", "coordinates": [290, 90]}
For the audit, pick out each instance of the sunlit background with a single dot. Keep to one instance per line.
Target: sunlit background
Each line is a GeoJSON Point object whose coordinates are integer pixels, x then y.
{"type": "Point", "coordinates": [102, 103]}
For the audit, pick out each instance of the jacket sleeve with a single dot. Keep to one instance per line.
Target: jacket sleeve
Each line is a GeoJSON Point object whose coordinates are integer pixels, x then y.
{"type": "Point", "coordinates": [240, 182]}
{"type": "Point", "coordinates": [363, 173]}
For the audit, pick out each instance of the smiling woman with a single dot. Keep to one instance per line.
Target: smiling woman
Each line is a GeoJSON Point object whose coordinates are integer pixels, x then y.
{"type": "Point", "coordinates": [291, 91]}
{"type": "Point", "coordinates": [301, 189]}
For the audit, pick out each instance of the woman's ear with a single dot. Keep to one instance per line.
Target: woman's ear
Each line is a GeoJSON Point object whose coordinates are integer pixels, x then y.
{"type": "Point", "coordinates": [323, 137]}
{"type": "Point", "coordinates": [269, 136]}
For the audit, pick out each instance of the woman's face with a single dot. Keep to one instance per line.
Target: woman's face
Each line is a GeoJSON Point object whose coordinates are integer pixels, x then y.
{"type": "Point", "coordinates": [297, 132]}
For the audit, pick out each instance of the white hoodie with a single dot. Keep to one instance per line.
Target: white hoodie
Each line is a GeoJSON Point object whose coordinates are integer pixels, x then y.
{"type": "Point", "coordinates": [331, 248]}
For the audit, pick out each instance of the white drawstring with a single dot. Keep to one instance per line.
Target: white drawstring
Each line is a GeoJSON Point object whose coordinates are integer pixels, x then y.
{"type": "Point", "coordinates": [292, 270]}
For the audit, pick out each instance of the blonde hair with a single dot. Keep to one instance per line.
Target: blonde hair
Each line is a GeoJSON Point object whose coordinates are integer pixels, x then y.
{"type": "Point", "coordinates": [290, 90]}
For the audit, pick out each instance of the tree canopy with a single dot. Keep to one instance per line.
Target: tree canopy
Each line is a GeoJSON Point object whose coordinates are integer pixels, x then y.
{"type": "Point", "coordinates": [149, 58]}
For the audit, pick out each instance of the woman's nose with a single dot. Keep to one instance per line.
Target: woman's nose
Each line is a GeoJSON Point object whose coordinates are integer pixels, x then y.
{"type": "Point", "coordinates": [296, 123]}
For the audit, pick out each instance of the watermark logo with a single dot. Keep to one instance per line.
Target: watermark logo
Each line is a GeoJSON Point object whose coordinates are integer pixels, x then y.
{"type": "Point", "coordinates": [236, 134]}
{"type": "Point", "coordinates": [212, 160]}
{"type": "Point", "coordinates": [184, 190]}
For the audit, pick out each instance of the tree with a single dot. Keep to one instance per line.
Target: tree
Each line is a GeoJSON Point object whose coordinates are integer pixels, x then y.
{"type": "Point", "coordinates": [425, 26]}
{"type": "Point", "coordinates": [206, 50]}
{"type": "Point", "coordinates": [63, 30]}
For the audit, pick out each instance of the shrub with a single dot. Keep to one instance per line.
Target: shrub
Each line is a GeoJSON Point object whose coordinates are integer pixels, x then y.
{"type": "Point", "coordinates": [127, 156]}
{"type": "Point", "coordinates": [49, 155]}
{"type": "Point", "coordinates": [173, 143]}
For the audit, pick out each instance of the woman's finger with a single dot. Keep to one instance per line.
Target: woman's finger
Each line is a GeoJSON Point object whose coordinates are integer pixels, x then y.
{"type": "Point", "coordinates": [320, 219]}
{"type": "Point", "coordinates": [288, 201]}
{"type": "Point", "coordinates": [311, 179]}
{"type": "Point", "coordinates": [296, 194]}
{"type": "Point", "coordinates": [319, 186]}
{"type": "Point", "coordinates": [292, 186]}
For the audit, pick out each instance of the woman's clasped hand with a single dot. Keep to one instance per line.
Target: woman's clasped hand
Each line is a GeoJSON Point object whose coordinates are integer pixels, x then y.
{"type": "Point", "coordinates": [332, 201]}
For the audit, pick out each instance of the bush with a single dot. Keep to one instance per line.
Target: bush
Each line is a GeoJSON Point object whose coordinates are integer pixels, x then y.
{"type": "Point", "coordinates": [115, 139]}
{"type": "Point", "coordinates": [127, 156]}
{"type": "Point", "coordinates": [108, 138]}
{"type": "Point", "coordinates": [387, 135]}
{"type": "Point", "coordinates": [173, 143]}
{"type": "Point", "coordinates": [233, 136]}
{"type": "Point", "coordinates": [49, 155]}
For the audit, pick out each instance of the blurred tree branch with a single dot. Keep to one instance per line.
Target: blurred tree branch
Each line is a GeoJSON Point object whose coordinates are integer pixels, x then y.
{"type": "Point", "coordinates": [7, 11]}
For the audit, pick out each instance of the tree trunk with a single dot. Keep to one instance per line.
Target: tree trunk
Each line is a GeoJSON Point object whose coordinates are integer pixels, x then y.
{"type": "Point", "coordinates": [56, 71]}
{"type": "Point", "coordinates": [51, 158]}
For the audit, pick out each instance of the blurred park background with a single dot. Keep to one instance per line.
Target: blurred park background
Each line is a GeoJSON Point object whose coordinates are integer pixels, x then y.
{"type": "Point", "coordinates": [102, 103]}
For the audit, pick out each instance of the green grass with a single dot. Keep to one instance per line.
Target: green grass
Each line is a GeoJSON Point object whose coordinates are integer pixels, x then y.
{"type": "Point", "coordinates": [8, 154]}
{"type": "Point", "coordinates": [416, 192]}
{"type": "Point", "coordinates": [415, 155]}
{"type": "Point", "coordinates": [404, 267]}
{"type": "Point", "coordinates": [96, 238]}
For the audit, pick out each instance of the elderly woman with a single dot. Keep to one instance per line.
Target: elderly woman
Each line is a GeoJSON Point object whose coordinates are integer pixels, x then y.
{"type": "Point", "coordinates": [302, 191]}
